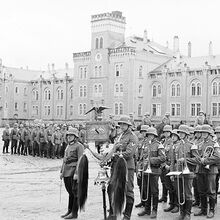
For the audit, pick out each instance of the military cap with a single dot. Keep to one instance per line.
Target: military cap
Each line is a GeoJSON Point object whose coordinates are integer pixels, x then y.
{"type": "Point", "coordinates": [144, 128]}
{"type": "Point", "coordinates": [175, 132]}
{"type": "Point", "coordinates": [198, 128]}
{"type": "Point", "coordinates": [124, 120]}
{"type": "Point", "coordinates": [152, 130]}
{"type": "Point", "coordinates": [206, 129]}
{"type": "Point", "coordinates": [73, 131]}
{"type": "Point", "coordinates": [217, 129]}
{"type": "Point", "coordinates": [167, 128]}
{"type": "Point", "coordinates": [183, 129]}
{"type": "Point", "coordinates": [191, 130]}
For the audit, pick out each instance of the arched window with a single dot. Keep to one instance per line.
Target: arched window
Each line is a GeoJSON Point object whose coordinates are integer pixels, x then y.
{"type": "Point", "coordinates": [139, 110]}
{"type": "Point", "coordinates": [199, 89]}
{"type": "Point", "coordinates": [16, 90]}
{"type": "Point", "coordinates": [96, 71]}
{"type": "Point", "coordinates": [214, 88]}
{"type": "Point", "coordinates": [100, 70]}
{"type": "Point", "coordinates": [140, 71]}
{"type": "Point", "coordinates": [101, 42]}
{"type": "Point", "coordinates": [154, 91]}
{"type": "Point", "coordinates": [100, 88]}
{"type": "Point", "coordinates": [178, 90]}
{"type": "Point", "coordinates": [84, 90]}
{"type": "Point", "coordinates": [80, 109]}
{"type": "Point", "coordinates": [16, 106]}
{"type": "Point", "coordinates": [95, 89]}
{"type": "Point", "coordinates": [84, 109]}
{"type": "Point", "coordinates": [96, 43]}
{"type": "Point", "coordinates": [116, 88]}
{"type": "Point", "coordinates": [58, 93]}
{"type": "Point", "coordinates": [71, 93]}
{"type": "Point", "coordinates": [120, 108]}
{"type": "Point", "coordinates": [121, 88]}
{"type": "Point", "coordinates": [173, 90]}
{"type": "Point", "coordinates": [116, 108]}
{"type": "Point", "coordinates": [80, 91]}
{"type": "Point", "coordinates": [159, 90]}
{"type": "Point", "coordinates": [81, 73]}
{"type": "Point", "coordinates": [61, 94]}
{"type": "Point", "coordinates": [35, 94]}
{"type": "Point", "coordinates": [25, 91]}
{"type": "Point", "coordinates": [85, 72]}
{"type": "Point", "coordinates": [140, 89]}
{"type": "Point", "coordinates": [193, 89]}
{"type": "Point", "coordinates": [45, 94]}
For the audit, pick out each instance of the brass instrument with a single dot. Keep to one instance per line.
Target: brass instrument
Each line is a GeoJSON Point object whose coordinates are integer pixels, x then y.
{"type": "Point", "coordinates": [147, 171]}
{"type": "Point", "coordinates": [209, 150]}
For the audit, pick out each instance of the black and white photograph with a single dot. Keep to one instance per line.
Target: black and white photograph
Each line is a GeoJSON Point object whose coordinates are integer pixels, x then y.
{"type": "Point", "coordinates": [109, 109]}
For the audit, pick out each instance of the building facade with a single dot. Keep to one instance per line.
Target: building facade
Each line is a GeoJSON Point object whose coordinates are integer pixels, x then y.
{"type": "Point", "coordinates": [128, 75]}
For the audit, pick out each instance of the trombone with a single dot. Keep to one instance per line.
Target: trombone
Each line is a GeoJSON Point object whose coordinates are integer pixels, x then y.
{"type": "Point", "coordinates": [147, 171]}
{"type": "Point", "coordinates": [185, 171]}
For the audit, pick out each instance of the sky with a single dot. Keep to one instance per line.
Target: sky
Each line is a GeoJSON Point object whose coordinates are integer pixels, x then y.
{"type": "Point", "coordinates": [36, 33]}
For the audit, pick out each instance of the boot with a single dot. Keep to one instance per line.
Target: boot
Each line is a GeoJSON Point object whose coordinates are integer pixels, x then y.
{"type": "Point", "coordinates": [203, 210]}
{"type": "Point", "coordinates": [188, 207]}
{"type": "Point", "coordinates": [144, 212]}
{"type": "Point", "coordinates": [153, 214]}
{"type": "Point", "coordinates": [128, 210]}
{"type": "Point", "coordinates": [71, 216]}
{"type": "Point", "coordinates": [67, 213]}
{"type": "Point", "coordinates": [211, 213]}
{"type": "Point", "coordinates": [164, 194]}
{"type": "Point", "coordinates": [168, 209]}
{"type": "Point", "coordinates": [139, 205]}
{"type": "Point", "coordinates": [182, 214]}
{"type": "Point", "coordinates": [175, 209]}
{"type": "Point", "coordinates": [155, 205]}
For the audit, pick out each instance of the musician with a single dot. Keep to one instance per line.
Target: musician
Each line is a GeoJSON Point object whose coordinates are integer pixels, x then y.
{"type": "Point", "coordinates": [153, 157]}
{"type": "Point", "coordinates": [139, 156]}
{"type": "Point", "coordinates": [68, 172]}
{"type": "Point", "coordinates": [166, 167]}
{"type": "Point", "coordinates": [197, 141]}
{"type": "Point", "coordinates": [209, 155]}
{"type": "Point", "coordinates": [167, 129]}
{"type": "Point", "coordinates": [186, 155]}
{"type": "Point", "coordinates": [126, 143]}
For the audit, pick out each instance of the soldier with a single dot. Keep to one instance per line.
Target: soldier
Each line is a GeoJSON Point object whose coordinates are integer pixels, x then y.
{"type": "Point", "coordinates": [133, 127]}
{"type": "Point", "coordinates": [153, 157]}
{"type": "Point", "coordinates": [6, 139]}
{"type": "Point", "coordinates": [14, 136]}
{"type": "Point", "coordinates": [191, 134]}
{"type": "Point", "coordinates": [146, 120]}
{"type": "Point", "coordinates": [21, 141]}
{"type": "Point", "coordinates": [42, 140]}
{"type": "Point", "coordinates": [82, 134]}
{"type": "Point", "coordinates": [186, 155]}
{"type": "Point", "coordinates": [68, 172]}
{"type": "Point", "coordinates": [139, 157]}
{"type": "Point", "coordinates": [125, 143]}
{"type": "Point", "coordinates": [166, 167]}
{"type": "Point", "coordinates": [217, 133]}
{"type": "Point", "coordinates": [49, 133]}
{"type": "Point", "coordinates": [112, 126]}
{"type": "Point", "coordinates": [34, 140]}
{"type": "Point", "coordinates": [207, 170]}
{"type": "Point", "coordinates": [26, 138]}
{"type": "Point", "coordinates": [56, 141]}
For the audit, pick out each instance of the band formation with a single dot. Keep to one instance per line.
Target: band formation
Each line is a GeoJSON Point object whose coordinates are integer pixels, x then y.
{"type": "Point", "coordinates": [185, 158]}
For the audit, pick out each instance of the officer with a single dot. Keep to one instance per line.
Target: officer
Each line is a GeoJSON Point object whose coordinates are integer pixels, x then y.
{"type": "Point", "coordinates": [6, 138]}
{"type": "Point", "coordinates": [34, 140]}
{"type": "Point", "coordinates": [139, 157]}
{"type": "Point", "coordinates": [42, 140]}
{"type": "Point", "coordinates": [56, 141]}
{"type": "Point", "coordinates": [49, 133]}
{"type": "Point", "coordinates": [21, 140]}
{"type": "Point", "coordinates": [217, 133]}
{"type": "Point", "coordinates": [207, 171]}
{"type": "Point", "coordinates": [153, 157]}
{"type": "Point", "coordinates": [68, 172]}
{"type": "Point", "coordinates": [126, 143]}
{"type": "Point", "coordinates": [197, 141]}
{"type": "Point", "coordinates": [166, 167]}
{"type": "Point", "coordinates": [14, 136]}
{"type": "Point", "coordinates": [186, 157]}
{"type": "Point", "coordinates": [26, 137]}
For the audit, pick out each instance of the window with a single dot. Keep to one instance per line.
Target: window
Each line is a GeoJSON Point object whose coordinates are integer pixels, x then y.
{"type": "Point", "coordinates": [139, 110]}
{"type": "Point", "coordinates": [85, 72]}
{"type": "Point", "coordinates": [25, 91]}
{"type": "Point", "coordinates": [219, 88]}
{"type": "Point", "coordinates": [121, 88]}
{"type": "Point", "coordinates": [16, 90]}
{"type": "Point", "coordinates": [214, 109]}
{"type": "Point", "coordinates": [58, 110]}
{"type": "Point", "coordinates": [100, 88]}
{"type": "Point", "coordinates": [198, 108]}
{"type": "Point", "coordinates": [25, 107]}
{"type": "Point", "coordinates": [140, 71]}
{"type": "Point", "coordinates": [214, 88]}
{"type": "Point", "coordinates": [96, 43]}
{"type": "Point", "coordinates": [16, 106]}
{"type": "Point", "coordinates": [34, 110]}
{"type": "Point", "coordinates": [84, 91]}
{"type": "Point", "coordinates": [81, 73]}
{"type": "Point", "coordinates": [71, 93]}
{"type": "Point", "coordinates": [159, 90]}
{"type": "Point", "coordinates": [61, 94]}
{"type": "Point", "coordinates": [199, 90]}
{"type": "Point", "coordinates": [175, 109]}
{"type": "Point", "coordinates": [48, 110]}
{"type": "Point", "coordinates": [80, 91]}
{"type": "Point", "coordinates": [178, 90]}
{"type": "Point", "coordinates": [116, 109]}
{"type": "Point", "coordinates": [47, 94]}
{"type": "Point", "coordinates": [178, 109]}
{"type": "Point", "coordinates": [80, 109]}
{"type": "Point", "coordinates": [96, 71]}
{"type": "Point", "coordinates": [154, 91]}
{"type": "Point", "coordinates": [58, 93]}
{"type": "Point", "coordinates": [172, 109]}
{"type": "Point", "coordinates": [101, 42]}
{"type": "Point", "coordinates": [71, 110]}
{"type": "Point", "coordinates": [173, 90]}
{"type": "Point", "coordinates": [121, 108]}
{"type": "Point", "coordinates": [84, 109]}
{"type": "Point", "coordinates": [117, 73]}
{"type": "Point", "coordinates": [61, 110]}
{"type": "Point", "coordinates": [156, 109]}
{"type": "Point", "coordinates": [35, 94]}
{"type": "Point", "coordinates": [100, 70]}
{"type": "Point", "coordinates": [140, 89]}
{"type": "Point", "coordinates": [195, 109]}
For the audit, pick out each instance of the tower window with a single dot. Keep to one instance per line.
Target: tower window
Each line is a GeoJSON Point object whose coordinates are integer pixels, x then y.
{"type": "Point", "coordinates": [101, 42]}
{"type": "Point", "coordinates": [96, 43]}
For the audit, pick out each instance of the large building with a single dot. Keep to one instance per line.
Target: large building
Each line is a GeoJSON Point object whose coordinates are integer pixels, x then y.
{"type": "Point", "coordinates": [133, 74]}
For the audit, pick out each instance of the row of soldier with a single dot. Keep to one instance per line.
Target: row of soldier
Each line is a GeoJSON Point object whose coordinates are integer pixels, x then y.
{"type": "Point", "coordinates": [191, 158]}
{"type": "Point", "coordinates": [37, 140]}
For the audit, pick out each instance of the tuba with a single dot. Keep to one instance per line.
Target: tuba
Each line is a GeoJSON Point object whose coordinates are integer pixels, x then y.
{"type": "Point", "coordinates": [208, 152]}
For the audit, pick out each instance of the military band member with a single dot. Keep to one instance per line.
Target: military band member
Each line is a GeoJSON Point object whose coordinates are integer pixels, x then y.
{"type": "Point", "coordinates": [166, 167]}
{"type": "Point", "coordinates": [14, 136]}
{"type": "Point", "coordinates": [73, 153]}
{"type": "Point", "coordinates": [6, 139]}
{"type": "Point", "coordinates": [186, 156]}
{"type": "Point", "coordinates": [207, 170]}
{"type": "Point", "coordinates": [153, 157]}
{"type": "Point", "coordinates": [139, 157]}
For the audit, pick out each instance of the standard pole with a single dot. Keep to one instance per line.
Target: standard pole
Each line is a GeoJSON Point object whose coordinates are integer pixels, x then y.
{"type": "Point", "coordinates": [104, 199]}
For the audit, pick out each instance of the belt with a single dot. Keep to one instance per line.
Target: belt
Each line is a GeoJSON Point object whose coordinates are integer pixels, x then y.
{"type": "Point", "coordinates": [155, 166]}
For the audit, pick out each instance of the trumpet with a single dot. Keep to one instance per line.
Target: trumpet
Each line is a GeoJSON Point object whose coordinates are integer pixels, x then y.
{"type": "Point", "coordinates": [209, 150]}
{"type": "Point", "coordinates": [147, 171]}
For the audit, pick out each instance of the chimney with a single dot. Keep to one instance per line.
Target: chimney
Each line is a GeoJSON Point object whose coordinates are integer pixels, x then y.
{"type": "Point", "coordinates": [53, 67]}
{"type": "Point", "coordinates": [210, 49]}
{"type": "Point", "coordinates": [176, 44]}
{"type": "Point", "coordinates": [145, 36]}
{"type": "Point", "coordinates": [189, 49]}
{"type": "Point", "coordinates": [66, 66]}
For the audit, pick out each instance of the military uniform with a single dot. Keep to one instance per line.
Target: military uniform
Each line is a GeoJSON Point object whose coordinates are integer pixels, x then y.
{"type": "Point", "coordinates": [56, 141]}
{"type": "Point", "coordinates": [35, 142]}
{"type": "Point", "coordinates": [26, 138]}
{"type": "Point", "coordinates": [6, 139]}
{"type": "Point", "coordinates": [64, 143]}
{"type": "Point", "coordinates": [14, 136]}
{"type": "Point", "coordinates": [42, 140]}
{"type": "Point", "coordinates": [49, 133]}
